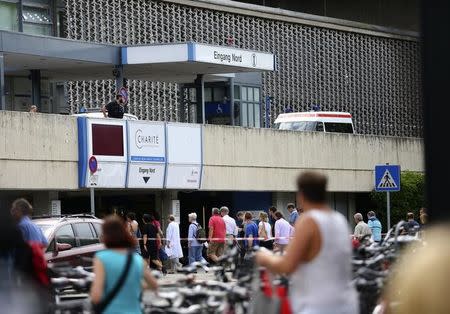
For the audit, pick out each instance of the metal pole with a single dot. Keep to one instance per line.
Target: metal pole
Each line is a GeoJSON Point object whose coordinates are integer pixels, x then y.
{"type": "Point", "coordinates": [203, 99]}
{"type": "Point", "coordinates": [388, 207]}
{"type": "Point", "coordinates": [36, 89]}
{"type": "Point", "coordinates": [20, 15]}
{"type": "Point", "coordinates": [92, 201]}
{"type": "Point", "coordinates": [2, 83]}
{"type": "Point", "coordinates": [231, 81]}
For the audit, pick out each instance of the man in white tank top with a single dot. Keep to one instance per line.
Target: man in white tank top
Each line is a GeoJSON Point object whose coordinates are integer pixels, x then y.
{"type": "Point", "coordinates": [318, 258]}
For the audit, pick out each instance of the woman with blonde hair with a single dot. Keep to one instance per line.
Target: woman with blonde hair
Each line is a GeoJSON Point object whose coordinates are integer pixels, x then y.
{"type": "Point", "coordinates": [265, 231]}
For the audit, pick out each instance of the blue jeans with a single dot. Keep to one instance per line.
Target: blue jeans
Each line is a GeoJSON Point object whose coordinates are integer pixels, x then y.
{"type": "Point", "coordinates": [195, 254]}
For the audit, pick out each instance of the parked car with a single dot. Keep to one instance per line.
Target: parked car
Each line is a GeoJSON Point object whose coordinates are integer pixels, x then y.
{"type": "Point", "coordinates": [72, 239]}
{"type": "Point", "coordinates": [316, 121]}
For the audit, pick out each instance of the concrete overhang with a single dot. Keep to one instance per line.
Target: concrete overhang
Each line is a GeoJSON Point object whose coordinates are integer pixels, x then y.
{"type": "Point", "coordinates": [64, 59]}
{"type": "Point", "coordinates": [57, 58]}
{"type": "Point", "coordinates": [181, 62]}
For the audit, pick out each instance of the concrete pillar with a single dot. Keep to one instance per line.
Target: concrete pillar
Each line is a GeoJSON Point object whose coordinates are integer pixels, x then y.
{"type": "Point", "coordinates": [42, 202]}
{"type": "Point", "coordinates": [2, 83]}
{"type": "Point", "coordinates": [118, 75]}
{"type": "Point", "coordinates": [351, 206]}
{"type": "Point", "coordinates": [200, 92]}
{"type": "Point", "coordinates": [36, 89]}
{"type": "Point", "coordinates": [166, 205]}
{"type": "Point", "coordinates": [281, 199]}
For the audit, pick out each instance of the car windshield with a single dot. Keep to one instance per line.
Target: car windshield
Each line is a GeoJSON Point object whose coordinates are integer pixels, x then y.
{"type": "Point", "coordinates": [46, 229]}
{"type": "Point", "coordinates": [297, 126]}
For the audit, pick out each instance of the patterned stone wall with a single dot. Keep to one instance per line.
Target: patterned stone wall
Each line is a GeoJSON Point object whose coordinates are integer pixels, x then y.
{"type": "Point", "coordinates": [376, 79]}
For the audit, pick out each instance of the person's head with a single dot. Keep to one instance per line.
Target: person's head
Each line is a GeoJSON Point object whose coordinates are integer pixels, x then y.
{"type": "Point", "coordinates": [248, 216]}
{"type": "Point", "coordinates": [410, 216]}
{"type": "Point", "coordinates": [119, 99]}
{"type": "Point", "coordinates": [224, 211]}
{"type": "Point", "coordinates": [358, 217]}
{"type": "Point", "coordinates": [192, 217]}
{"type": "Point", "coordinates": [290, 207]}
{"type": "Point", "coordinates": [171, 218]}
{"type": "Point", "coordinates": [272, 211]}
{"type": "Point", "coordinates": [215, 211]}
{"type": "Point", "coordinates": [131, 216]}
{"type": "Point", "coordinates": [20, 208]}
{"type": "Point", "coordinates": [311, 190]}
{"type": "Point", "coordinates": [278, 215]}
{"type": "Point", "coordinates": [240, 216]}
{"type": "Point", "coordinates": [263, 217]}
{"type": "Point", "coordinates": [146, 218]}
{"type": "Point", "coordinates": [422, 274]}
{"type": "Point", "coordinates": [371, 214]}
{"type": "Point", "coordinates": [115, 234]}
{"type": "Point", "coordinates": [33, 108]}
{"type": "Point", "coordinates": [423, 210]}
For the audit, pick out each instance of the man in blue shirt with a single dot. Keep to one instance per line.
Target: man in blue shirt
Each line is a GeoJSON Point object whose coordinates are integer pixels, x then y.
{"type": "Point", "coordinates": [374, 225]}
{"type": "Point", "coordinates": [195, 247]}
{"type": "Point", "coordinates": [20, 211]}
{"type": "Point", "coordinates": [251, 232]}
{"type": "Point", "coordinates": [293, 214]}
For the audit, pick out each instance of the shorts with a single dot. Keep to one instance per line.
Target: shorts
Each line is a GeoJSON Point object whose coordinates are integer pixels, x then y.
{"type": "Point", "coordinates": [216, 248]}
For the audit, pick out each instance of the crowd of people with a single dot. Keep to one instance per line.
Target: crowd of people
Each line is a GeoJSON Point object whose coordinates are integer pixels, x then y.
{"type": "Point", "coordinates": [373, 228]}
{"type": "Point", "coordinates": [314, 243]}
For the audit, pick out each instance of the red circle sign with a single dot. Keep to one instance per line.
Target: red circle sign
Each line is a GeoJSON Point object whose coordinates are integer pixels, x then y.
{"type": "Point", "coordinates": [93, 164]}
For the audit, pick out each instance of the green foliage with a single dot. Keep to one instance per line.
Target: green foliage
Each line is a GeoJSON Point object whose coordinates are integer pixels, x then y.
{"type": "Point", "coordinates": [410, 198]}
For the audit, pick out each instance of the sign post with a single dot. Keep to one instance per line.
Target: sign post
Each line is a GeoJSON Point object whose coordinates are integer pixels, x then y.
{"type": "Point", "coordinates": [93, 166]}
{"type": "Point", "coordinates": [387, 179]}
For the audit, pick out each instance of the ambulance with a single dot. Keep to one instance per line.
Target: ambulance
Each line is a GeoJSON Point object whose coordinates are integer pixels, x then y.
{"type": "Point", "coordinates": [316, 121]}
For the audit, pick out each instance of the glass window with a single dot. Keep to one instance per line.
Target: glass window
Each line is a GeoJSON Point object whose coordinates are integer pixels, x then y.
{"type": "Point", "coordinates": [84, 234]}
{"type": "Point", "coordinates": [36, 20]}
{"type": "Point", "coordinates": [338, 127]}
{"type": "Point", "coordinates": [298, 126]}
{"type": "Point", "coordinates": [98, 229]}
{"type": "Point", "coordinates": [244, 114]}
{"type": "Point", "coordinates": [219, 94]}
{"type": "Point", "coordinates": [257, 116]}
{"type": "Point", "coordinates": [208, 94]}
{"type": "Point", "coordinates": [237, 92]}
{"type": "Point", "coordinates": [8, 16]}
{"type": "Point", "coordinates": [249, 94]}
{"type": "Point", "coordinates": [244, 93]}
{"type": "Point", "coordinates": [65, 235]}
{"type": "Point", "coordinates": [256, 94]}
{"type": "Point", "coordinates": [251, 115]}
{"type": "Point", "coordinates": [319, 126]}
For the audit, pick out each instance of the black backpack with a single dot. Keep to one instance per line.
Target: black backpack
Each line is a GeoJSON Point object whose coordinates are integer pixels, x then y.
{"type": "Point", "coordinates": [200, 235]}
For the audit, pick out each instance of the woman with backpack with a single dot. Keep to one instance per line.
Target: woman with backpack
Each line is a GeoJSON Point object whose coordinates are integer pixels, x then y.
{"type": "Point", "coordinates": [195, 245]}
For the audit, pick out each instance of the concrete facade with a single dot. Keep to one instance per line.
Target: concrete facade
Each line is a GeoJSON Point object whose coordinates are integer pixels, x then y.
{"type": "Point", "coordinates": [270, 160]}
{"type": "Point", "coordinates": [40, 152]}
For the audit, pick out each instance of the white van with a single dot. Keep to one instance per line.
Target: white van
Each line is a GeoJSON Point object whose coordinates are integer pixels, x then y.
{"type": "Point", "coordinates": [320, 121]}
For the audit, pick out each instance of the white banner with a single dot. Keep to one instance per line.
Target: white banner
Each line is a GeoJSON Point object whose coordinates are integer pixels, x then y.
{"type": "Point", "coordinates": [146, 175]}
{"type": "Point", "coordinates": [183, 176]}
{"type": "Point", "coordinates": [184, 143]}
{"type": "Point", "coordinates": [234, 57]}
{"type": "Point", "coordinates": [147, 154]}
{"type": "Point", "coordinates": [108, 175]}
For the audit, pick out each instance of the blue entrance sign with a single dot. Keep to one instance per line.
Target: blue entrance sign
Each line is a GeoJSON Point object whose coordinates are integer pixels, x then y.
{"type": "Point", "coordinates": [387, 178]}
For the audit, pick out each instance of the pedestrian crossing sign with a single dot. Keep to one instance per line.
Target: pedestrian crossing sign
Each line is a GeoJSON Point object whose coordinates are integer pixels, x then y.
{"type": "Point", "coordinates": [387, 178]}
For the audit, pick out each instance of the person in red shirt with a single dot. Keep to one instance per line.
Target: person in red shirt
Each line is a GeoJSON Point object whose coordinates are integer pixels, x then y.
{"type": "Point", "coordinates": [217, 234]}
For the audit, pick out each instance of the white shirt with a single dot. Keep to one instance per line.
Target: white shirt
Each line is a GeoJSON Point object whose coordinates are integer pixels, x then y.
{"type": "Point", "coordinates": [230, 224]}
{"type": "Point", "coordinates": [173, 237]}
{"type": "Point", "coordinates": [323, 285]}
{"type": "Point", "coordinates": [268, 228]}
{"type": "Point", "coordinates": [283, 230]}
